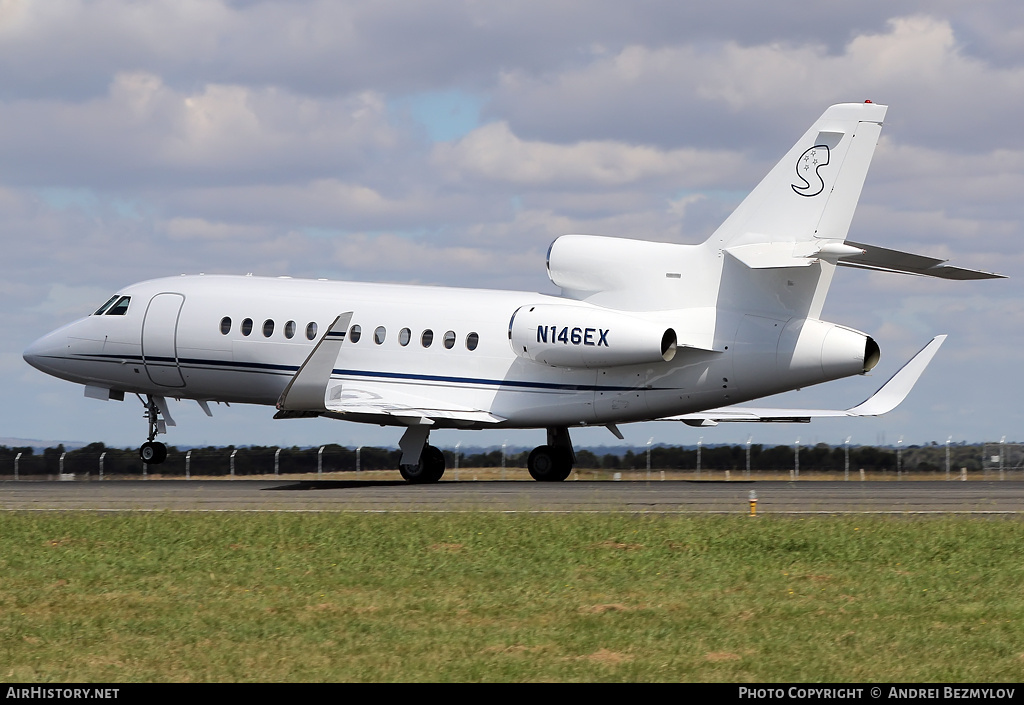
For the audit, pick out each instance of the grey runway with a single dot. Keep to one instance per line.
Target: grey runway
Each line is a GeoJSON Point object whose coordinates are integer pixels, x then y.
{"type": "Point", "coordinates": [668, 497]}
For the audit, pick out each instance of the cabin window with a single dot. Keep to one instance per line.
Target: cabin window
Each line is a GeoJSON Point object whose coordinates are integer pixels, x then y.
{"type": "Point", "coordinates": [102, 309]}
{"type": "Point", "coordinates": [427, 338]}
{"type": "Point", "coordinates": [449, 339]}
{"type": "Point", "coordinates": [268, 328]}
{"type": "Point", "coordinates": [404, 336]}
{"type": "Point", "coordinates": [225, 325]}
{"type": "Point", "coordinates": [120, 308]}
{"type": "Point", "coordinates": [247, 327]}
{"type": "Point", "coordinates": [289, 330]}
{"type": "Point", "coordinates": [354, 334]}
{"type": "Point", "coordinates": [311, 331]}
{"type": "Point", "coordinates": [379, 334]}
{"type": "Point", "coordinates": [472, 340]}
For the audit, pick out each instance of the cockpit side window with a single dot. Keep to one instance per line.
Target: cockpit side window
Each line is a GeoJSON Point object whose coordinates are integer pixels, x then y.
{"type": "Point", "coordinates": [100, 311]}
{"type": "Point", "coordinates": [120, 308]}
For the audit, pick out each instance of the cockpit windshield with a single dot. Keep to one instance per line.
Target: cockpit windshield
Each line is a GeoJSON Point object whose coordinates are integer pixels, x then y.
{"type": "Point", "coordinates": [116, 305]}
{"type": "Point", "coordinates": [104, 307]}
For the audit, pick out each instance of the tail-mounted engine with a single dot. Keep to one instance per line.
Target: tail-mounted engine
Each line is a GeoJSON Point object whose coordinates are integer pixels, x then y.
{"type": "Point", "coordinates": [825, 350]}
{"type": "Point", "coordinates": [583, 336]}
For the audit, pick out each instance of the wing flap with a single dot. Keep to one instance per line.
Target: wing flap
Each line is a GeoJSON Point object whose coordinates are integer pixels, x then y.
{"type": "Point", "coordinates": [361, 399]}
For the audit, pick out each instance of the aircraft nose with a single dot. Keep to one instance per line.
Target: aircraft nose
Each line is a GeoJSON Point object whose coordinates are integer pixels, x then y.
{"type": "Point", "coordinates": [42, 353]}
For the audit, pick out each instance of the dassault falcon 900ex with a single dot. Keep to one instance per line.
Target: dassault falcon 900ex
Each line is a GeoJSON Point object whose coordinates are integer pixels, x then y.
{"type": "Point", "coordinates": [641, 331]}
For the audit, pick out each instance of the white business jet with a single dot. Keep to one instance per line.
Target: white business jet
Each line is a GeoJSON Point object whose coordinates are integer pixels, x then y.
{"type": "Point", "coordinates": [641, 331]}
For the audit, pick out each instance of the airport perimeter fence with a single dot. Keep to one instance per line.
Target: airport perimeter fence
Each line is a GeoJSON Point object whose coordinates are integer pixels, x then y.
{"type": "Point", "coordinates": [936, 461]}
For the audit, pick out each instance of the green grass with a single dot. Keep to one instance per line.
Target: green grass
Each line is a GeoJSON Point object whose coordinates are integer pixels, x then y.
{"type": "Point", "coordinates": [490, 597]}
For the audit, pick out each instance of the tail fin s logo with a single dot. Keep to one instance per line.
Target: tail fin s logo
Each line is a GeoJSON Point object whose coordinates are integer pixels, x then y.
{"type": "Point", "coordinates": [807, 170]}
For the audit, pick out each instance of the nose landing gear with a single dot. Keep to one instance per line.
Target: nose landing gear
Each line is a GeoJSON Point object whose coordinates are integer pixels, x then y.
{"type": "Point", "coordinates": [153, 452]}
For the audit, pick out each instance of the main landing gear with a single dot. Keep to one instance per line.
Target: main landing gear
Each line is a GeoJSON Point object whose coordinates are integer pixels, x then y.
{"type": "Point", "coordinates": [552, 462]}
{"type": "Point", "coordinates": [430, 468]}
{"type": "Point", "coordinates": [421, 462]}
{"type": "Point", "coordinates": [153, 452]}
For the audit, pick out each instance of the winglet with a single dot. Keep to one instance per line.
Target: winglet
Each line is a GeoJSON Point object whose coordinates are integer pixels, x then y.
{"type": "Point", "coordinates": [307, 389]}
{"type": "Point", "coordinates": [893, 392]}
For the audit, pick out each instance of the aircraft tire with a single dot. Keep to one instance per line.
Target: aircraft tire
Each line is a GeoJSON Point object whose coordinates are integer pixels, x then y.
{"type": "Point", "coordinates": [153, 453]}
{"type": "Point", "coordinates": [549, 464]}
{"type": "Point", "coordinates": [565, 468]}
{"type": "Point", "coordinates": [429, 469]}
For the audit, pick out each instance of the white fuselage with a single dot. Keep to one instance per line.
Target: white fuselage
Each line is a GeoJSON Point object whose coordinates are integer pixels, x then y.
{"type": "Point", "coordinates": [226, 338]}
{"type": "Point", "coordinates": [642, 330]}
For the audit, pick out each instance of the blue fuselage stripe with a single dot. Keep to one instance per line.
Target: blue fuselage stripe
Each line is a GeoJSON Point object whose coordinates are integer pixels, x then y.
{"type": "Point", "coordinates": [371, 374]}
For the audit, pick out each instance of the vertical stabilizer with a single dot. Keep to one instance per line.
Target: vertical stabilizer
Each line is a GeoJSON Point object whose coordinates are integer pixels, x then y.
{"type": "Point", "coordinates": [785, 238]}
{"type": "Point", "coordinates": [812, 192]}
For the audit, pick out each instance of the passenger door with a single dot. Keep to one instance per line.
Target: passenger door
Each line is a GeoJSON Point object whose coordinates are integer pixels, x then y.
{"type": "Point", "coordinates": [159, 340]}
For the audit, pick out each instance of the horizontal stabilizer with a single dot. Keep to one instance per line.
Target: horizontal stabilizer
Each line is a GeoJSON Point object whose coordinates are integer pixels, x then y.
{"type": "Point", "coordinates": [777, 255]}
{"type": "Point", "coordinates": [886, 260]}
{"type": "Point", "coordinates": [888, 397]}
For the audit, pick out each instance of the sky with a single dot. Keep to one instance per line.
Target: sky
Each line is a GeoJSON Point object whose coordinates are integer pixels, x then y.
{"type": "Point", "coordinates": [448, 143]}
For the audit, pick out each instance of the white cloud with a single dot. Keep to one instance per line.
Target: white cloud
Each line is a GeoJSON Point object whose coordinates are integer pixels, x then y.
{"type": "Point", "coordinates": [185, 229]}
{"type": "Point", "coordinates": [426, 262]}
{"type": "Point", "coordinates": [145, 132]}
{"type": "Point", "coordinates": [728, 93]}
{"type": "Point", "coordinates": [493, 152]}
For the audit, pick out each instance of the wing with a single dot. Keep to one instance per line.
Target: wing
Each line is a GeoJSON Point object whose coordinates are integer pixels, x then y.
{"type": "Point", "coordinates": [887, 398]}
{"type": "Point", "coordinates": [313, 392]}
{"type": "Point", "coordinates": [374, 399]}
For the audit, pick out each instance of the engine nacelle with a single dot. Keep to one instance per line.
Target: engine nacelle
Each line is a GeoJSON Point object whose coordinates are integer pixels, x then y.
{"type": "Point", "coordinates": [583, 336]}
{"type": "Point", "coordinates": [825, 350]}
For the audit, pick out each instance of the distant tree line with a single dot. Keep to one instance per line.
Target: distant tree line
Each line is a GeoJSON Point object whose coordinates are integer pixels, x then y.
{"type": "Point", "coordinates": [260, 460]}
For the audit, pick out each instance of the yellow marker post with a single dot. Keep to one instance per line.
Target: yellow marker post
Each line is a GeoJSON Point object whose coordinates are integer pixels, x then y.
{"type": "Point", "coordinates": [753, 503]}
